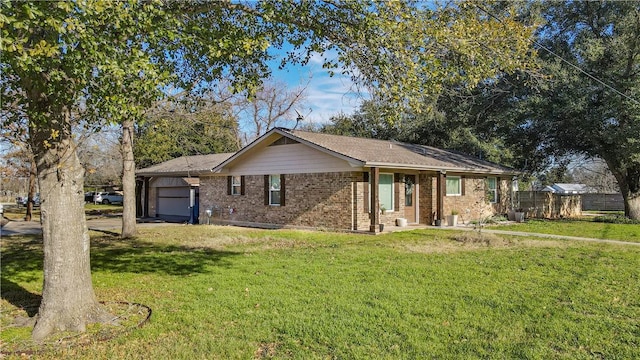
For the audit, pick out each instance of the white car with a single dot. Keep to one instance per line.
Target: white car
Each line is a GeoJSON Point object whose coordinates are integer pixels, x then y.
{"type": "Point", "coordinates": [107, 198]}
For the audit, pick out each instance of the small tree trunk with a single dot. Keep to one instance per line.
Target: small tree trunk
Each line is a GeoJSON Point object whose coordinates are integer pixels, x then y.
{"type": "Point", "coordinates": [128, 181]}
{"type": "Point", "coordinates": [68, 301]}
{"type": "Point", "coordinates": [32, 190]}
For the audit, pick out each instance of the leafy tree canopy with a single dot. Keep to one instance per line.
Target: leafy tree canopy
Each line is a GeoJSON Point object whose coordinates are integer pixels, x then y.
{"type": "Point", "coordinates": [170, 133]}
{"type": "Point", "coordinates": [109, 60]}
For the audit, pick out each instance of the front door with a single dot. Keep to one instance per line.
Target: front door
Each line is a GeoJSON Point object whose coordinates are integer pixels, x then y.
{"type": "Point", "coordinates": [410, 198]}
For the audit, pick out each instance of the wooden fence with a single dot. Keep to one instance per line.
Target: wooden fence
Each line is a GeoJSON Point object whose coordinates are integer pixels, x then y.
{"type": "Point", "coordinates": [542, 204]}
{"type": "Point", "coordinates": [602, 202]}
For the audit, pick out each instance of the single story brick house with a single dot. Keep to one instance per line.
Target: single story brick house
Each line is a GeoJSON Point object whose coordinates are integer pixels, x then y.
{"type": "Point", "coordinates": [305, 179]}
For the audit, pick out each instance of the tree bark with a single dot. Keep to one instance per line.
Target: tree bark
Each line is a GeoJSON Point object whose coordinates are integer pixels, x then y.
{"type": "Point", "coordinates": [128, 181]}
{"type": "Point", "coordinates": [68, 300]}
{"type": "Point", "coordinates": [32, 190]}
{"type": "Point", "coordinates": [629, 182]}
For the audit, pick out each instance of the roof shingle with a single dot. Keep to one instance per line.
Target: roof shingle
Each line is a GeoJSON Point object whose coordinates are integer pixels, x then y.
{"type": "Point", "coordinates": [185, 165]}
{"type": "Point", "coordinates": [375, 152]}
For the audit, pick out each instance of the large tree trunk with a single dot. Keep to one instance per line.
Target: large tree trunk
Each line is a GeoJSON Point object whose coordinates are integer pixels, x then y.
{"type": "Point", "coordinates": [629, 182]}
{"type": "Point", "coordinates": [631, 193]}
{"type": "Point", "coordinates": [68, 300]}
{"type": "Point", "coordinates": [128, 181]}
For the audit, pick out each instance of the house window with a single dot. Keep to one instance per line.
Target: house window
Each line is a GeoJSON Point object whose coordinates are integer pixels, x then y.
{"type": "Point", "coordinates": [385, 191]}
{"type": "Point", "coordinates": [454, 186]}
{"type": "Point", "coordinates": [274, 190]}
{"type": "Point", "coordinates": [236, 185]}
{"type": "Point", "coordinates": [492, 189]}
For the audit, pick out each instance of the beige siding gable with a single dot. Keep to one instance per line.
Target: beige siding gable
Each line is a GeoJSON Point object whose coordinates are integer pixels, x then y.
{"type": "Point", "coordinates": [290, 159]}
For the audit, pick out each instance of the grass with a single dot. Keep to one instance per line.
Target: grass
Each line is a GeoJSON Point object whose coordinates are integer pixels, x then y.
{"type": "Point", "coordinates": [228, 293]}
{"type": "Point", "coordinates": [18, 212]}
{"type": "Point", "coordinates": [580, 228]}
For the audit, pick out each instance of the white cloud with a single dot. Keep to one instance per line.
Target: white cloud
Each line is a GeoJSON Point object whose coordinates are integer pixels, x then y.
{"type": "Point", "coordinates": [326, 95]}
{"type": "Point", "coordinates": [329, 96]}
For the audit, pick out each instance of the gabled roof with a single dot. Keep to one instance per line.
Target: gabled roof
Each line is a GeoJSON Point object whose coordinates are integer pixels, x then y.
{"type": "Point", "coordinates": [570, 188]}
{"type": "Point", "coordinates": [185, 165]}
{"type": "Point", "coordinates": [378, 153]}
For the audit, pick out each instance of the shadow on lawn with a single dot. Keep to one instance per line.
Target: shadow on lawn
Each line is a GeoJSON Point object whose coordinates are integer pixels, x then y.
{"type": "Point", "coordinates": [136, 256]}
{"type": "Point", "coordinates": [20, 297]}
{"type": "Point", "coordinates": [22, 258]}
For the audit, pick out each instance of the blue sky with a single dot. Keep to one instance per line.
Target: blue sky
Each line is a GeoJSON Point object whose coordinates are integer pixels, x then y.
{"type": "Point", "coordinates": [326, 95]}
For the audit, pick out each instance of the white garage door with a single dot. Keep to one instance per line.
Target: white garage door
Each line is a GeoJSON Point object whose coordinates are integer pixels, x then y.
{"type": "Point", "coordinates": [173, 201]}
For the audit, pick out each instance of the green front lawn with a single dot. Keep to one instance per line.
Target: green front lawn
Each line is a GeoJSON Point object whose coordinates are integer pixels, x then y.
{"type": "Point", "coordinates": [18, 212]}
{"type": "Point", "coordinates": [229, 293]}
{"type": "Point", "coordinates": [581, 228]}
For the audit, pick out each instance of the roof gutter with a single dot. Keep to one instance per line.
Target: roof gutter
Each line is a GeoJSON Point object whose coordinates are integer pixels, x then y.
{"type": "Point", "coordinates": [439, 168]}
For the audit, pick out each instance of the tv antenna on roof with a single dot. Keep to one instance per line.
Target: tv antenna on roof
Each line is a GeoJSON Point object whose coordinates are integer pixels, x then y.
{"type": "Point", "coordinates": [299, 118]}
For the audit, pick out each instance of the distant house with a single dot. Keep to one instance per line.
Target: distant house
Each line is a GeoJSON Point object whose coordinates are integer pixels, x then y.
{"type": "Point", "coordinates": [567, 189]}
{"type": "Point", "coordinates": [170, 190]}
{"type": "Point", "coordinates": [305, 179]}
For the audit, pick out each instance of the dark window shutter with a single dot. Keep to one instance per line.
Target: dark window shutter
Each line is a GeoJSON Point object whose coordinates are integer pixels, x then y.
{"type": "Point", "coordinates": [229, 180]}
{"type": "Point", "coordinates": [241, 185]}
{"type": "Point", "coordinates": [266, 190]}
{"type": "Point", "coordinates": [462, 185]}
{"type": "Point", "coordinates": [396, 192]}
{"type": "Point", "coordinates": [498, 187]}
{"type": "Point", "coordinates": [365, 180]}
{"type": "Point", "coordinates": [283, 191]}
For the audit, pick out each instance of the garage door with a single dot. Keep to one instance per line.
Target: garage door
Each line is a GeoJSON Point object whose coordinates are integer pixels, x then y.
{"type": "Point", "coordinates": [173, 201]}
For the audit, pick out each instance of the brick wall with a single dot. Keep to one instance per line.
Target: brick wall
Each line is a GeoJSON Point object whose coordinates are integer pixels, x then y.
{"type": "Point", "coordinates": [322, 200]}
{"type": "Point", "coordinates": [474, 204]}
{"type": "Point", "coordinates": [427, 201]}
{"type": "Point", "coordinates": [337, 201]}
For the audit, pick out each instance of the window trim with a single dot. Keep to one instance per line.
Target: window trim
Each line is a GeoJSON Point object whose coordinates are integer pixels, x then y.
{"type": "Point", "coordinates": [279, 190]}
{"type": "Point", "coordinates": [446, 188]}
{"type": "Point", "coordinates": [494, 190]}
{"type": "Point", "coordinates": [393, 178]}
{"type": "Point", "coordinates": [236, 185]}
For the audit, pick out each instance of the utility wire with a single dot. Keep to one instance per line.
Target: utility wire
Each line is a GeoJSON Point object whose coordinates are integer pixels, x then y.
{"type": "Point", "coordinates": [567, 61]}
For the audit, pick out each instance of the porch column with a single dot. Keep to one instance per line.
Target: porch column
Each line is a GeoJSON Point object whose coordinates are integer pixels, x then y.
{"type": "Point", "coordinates": [146, 198]}
{"type": "Point", "coordinates": [441, 190]}
{"type": "Point", "coordinates": [375, 200]}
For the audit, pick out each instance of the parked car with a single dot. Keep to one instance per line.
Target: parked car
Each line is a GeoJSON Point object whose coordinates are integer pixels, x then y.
{"type": "Point", "coordinates": [88, 196]}
{"type": "Point", "coordinates": [22, 200]}
{"type": "Point", "coordinates": [108, 198]}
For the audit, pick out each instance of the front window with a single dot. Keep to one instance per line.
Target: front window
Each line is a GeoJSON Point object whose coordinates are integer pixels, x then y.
{"type": "Point", "coordinates": [274, 189]}
{"type": "Point", "coordinates": [454, 186]}
{"type": "Point", "coordinates": [236, 185]}
{"type": "Point", "coordinates": [385, 194]}
{"type": "Point", "coordinates": [492, 189]}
